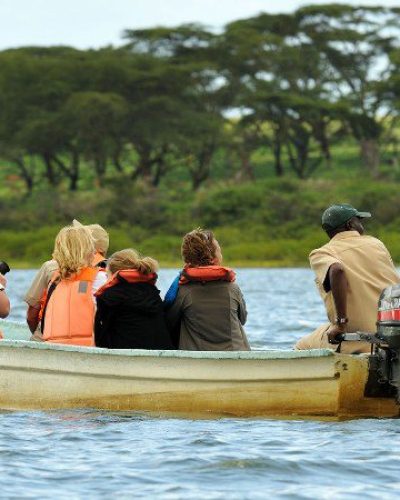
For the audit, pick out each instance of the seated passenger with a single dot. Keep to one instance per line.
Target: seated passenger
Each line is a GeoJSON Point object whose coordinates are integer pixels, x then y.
{"type": "Point", "coordinates": [129, 308]}
{"type": "Point", "coordinates": [351, 271]}
{"type": "Point", "coordinates": [209, 308]}
{"type": "Point", "coordinates": [69, 308]}
{"type": "Point", "coordinates": [42, 279]}
{"type": "Point", "coordinates": [4, 300]}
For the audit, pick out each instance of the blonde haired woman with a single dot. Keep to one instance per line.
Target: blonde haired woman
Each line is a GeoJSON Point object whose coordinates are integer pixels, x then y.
{"type": "Point", "coordinates": [69, 306]}
{"type": "Point", "coordinates": [129, 308]}
{"type": "Point", "coordinates": [42, 279]}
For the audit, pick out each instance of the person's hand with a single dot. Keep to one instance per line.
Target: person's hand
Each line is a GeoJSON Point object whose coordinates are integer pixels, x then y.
{"type": "Point", "coordinates": [333, 332]}
{"type": "Point", "coordinates": [3, 280]}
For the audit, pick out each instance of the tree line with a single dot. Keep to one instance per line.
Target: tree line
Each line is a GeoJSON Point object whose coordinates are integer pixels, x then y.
{"type": "Point", "coordinates": [293, 83]}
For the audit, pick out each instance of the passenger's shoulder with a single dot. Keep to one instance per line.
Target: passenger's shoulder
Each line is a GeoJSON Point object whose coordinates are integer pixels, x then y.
{"type": "Point", "coordinates": [112, 295]}
{"type": "Point", "coordinates": [234, 285]}
{"type": "Point", "coordinates": [47, 270]}
{"type": "Point", "coordinates": [49, 265]}
{"type": "Point", "coordinates": [372, 240]}
{"type": "Point", "coordinates": [235, 288]}
{"type": "Point", "coordinates": [184, 291]}
{"type": "Point", "coordinates": [376, 243]}
{"type": "Point", "coordinates": [326, 249]}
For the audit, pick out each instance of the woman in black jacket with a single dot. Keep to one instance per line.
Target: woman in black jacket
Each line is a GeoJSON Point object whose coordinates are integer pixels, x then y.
{"type": "Point", "coordinates": [129, 308]}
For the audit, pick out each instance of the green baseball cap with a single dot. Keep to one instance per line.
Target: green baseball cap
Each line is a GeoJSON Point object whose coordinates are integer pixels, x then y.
{"type": "Point", "coordinates": [336, 215]}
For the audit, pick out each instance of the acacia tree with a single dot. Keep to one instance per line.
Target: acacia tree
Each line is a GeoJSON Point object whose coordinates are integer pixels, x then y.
{"type": "Point", "coordinates": [154, 121]}
{"type": "Point", "coordinates": [34, 85]}
{"type": "Point", "coordinates": [182, 110]}
{"type": "Point", "coordinates": [354, 43]}
{"type": "Point", "coordinates": [390, 90]}
{"type": "Point", "coordinates": [272, 74]}
{"type": "Point", "coordinates": [174, 95]}
{"type": "Point", "coordinates": [99, 123]}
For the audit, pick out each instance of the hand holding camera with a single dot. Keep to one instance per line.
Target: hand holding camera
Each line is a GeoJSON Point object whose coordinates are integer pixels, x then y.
{"type": "Point", "coordinates": [4, 269]}
{"type": "Point", "coordinates": [4, 300]}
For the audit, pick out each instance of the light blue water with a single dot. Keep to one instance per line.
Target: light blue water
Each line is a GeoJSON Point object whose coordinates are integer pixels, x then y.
{"type": "Point", "coordinates": [86, 454]}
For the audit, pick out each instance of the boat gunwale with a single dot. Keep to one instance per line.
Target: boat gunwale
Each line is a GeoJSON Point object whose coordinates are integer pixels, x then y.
{"type": "Point", "coordinates": [246, 355]}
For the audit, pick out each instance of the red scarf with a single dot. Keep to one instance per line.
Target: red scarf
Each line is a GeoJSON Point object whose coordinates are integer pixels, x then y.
{"type": "Point", "coordinates": [206, 273]}
{"type": "Point", "coordinates": [129, 275]}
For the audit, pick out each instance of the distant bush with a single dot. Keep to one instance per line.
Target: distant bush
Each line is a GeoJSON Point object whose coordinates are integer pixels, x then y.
{"type": "Point", "coordinates": [227, 205]}
{"type": "Point", "coordinates": [272, 221]}
{"type": "Point", "coordinates": [30, 246]}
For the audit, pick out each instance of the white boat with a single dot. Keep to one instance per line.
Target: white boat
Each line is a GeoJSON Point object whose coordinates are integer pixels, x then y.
{"type": "Point", "coordinates": [316, 383]}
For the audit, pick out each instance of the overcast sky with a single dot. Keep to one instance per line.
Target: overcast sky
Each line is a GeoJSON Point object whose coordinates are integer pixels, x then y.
{"type": "Point", "coordinates": [95, 23]}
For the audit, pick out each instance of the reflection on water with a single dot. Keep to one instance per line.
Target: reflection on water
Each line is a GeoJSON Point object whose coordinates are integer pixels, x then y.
{"type": "Point", "coordinates": [90, 454]}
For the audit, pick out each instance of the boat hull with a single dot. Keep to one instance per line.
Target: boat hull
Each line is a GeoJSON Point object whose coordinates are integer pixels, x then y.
{"type": "Point", "coordinates": [258, 383]}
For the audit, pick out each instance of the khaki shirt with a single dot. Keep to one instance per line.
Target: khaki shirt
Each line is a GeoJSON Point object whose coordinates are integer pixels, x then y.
{"type": "Point", "coordinates": [40, 282]}
{"type": "Point", "coordinates": [369, 269]}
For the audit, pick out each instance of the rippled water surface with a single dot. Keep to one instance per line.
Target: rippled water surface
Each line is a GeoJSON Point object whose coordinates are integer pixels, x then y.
{"type": "Point", "coordinates": [86, 454]}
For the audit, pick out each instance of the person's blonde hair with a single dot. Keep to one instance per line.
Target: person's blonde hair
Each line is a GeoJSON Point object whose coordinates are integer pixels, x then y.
{"type": "Point", "coordinates": [199, 248]}
{"type": "Point", "coordinates": [73, 250]}
{"type": "Point", "coordinates": [131, 259]}
{"type": "Point", "coordinates": [100, 236]}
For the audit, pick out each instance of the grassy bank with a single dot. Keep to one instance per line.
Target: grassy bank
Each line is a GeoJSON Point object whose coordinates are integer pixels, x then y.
{"type": "Point", "coordinates": [271, 222]}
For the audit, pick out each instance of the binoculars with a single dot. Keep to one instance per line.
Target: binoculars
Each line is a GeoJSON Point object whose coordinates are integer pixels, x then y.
{"type": "Point", "coordinates": [4, 267]}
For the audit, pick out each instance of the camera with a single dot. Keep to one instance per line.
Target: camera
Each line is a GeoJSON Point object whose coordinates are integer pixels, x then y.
{"type": "Point", "coordinates": [4, 267]}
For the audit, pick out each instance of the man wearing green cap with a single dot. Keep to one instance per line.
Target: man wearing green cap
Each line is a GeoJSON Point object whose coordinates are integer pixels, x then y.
{"type": "Point", "coordinates": [351, 271]}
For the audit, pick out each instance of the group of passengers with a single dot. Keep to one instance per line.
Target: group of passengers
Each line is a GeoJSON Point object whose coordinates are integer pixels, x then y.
{"type": "Point", "coordinates": [82, 298]}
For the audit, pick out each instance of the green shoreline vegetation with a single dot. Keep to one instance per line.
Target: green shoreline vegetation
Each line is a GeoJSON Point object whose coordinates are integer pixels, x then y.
{"type": "Point", "coordinates": [267, 223]}
{"type": "Point", "coordinates": [251, 131]}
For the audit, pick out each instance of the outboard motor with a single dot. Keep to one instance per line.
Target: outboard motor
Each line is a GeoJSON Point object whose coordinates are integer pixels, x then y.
{"type": "Point", "coordinates": [388, 332]}
{"type": "Point", "coordinates": [384, 361]}
{"type": "Point", "coordinates": [388, 324]}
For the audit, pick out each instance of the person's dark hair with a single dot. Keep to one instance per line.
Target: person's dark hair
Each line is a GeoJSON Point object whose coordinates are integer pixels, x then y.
{"type": "Point", "coordinates": [198, 247]}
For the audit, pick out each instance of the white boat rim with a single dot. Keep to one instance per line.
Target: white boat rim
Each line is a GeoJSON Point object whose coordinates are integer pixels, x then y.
{"type": "Point", "coordinates": [251, 355]}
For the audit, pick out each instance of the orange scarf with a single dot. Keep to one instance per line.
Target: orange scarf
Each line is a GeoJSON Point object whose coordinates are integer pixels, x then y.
{"type": "Point", "coordinates": [206, 273]}
{"type": "Point", "coordinates": [129, 275]}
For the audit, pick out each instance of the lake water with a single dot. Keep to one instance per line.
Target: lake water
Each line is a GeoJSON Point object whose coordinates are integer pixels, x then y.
{"type": "Point", "coordinates": [93, 454]}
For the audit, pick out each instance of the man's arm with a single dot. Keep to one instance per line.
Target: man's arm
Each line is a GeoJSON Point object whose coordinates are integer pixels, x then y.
{"type": "Point", "coordinates": [242, 311]}
{"type": "Point", "coordinates": [32, 318]}
{"type": "Point", "coordinates": [35, 293]}
{"type": "Point", "coordinates": [339, 286]}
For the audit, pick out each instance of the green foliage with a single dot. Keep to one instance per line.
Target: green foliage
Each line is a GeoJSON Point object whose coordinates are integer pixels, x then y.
{"type": "Point", "coordinates": [30, 246]}
{"type": "Point", "coordinates": [272, 222]}
{"type": "Point", "coordinates": [222, 206]}
{"type": "Point", "coordinates": [159, 106]}
{"type": "Point", "coordinates": [252, 132]}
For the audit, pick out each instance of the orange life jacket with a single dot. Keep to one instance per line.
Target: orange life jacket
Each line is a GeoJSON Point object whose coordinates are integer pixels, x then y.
{"type": "Point", "coordinates": [206, 273]}
{"type": "Point", "coordinates": [69, 311]}
{"type": "Point", "coordinates": [97, 259]}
